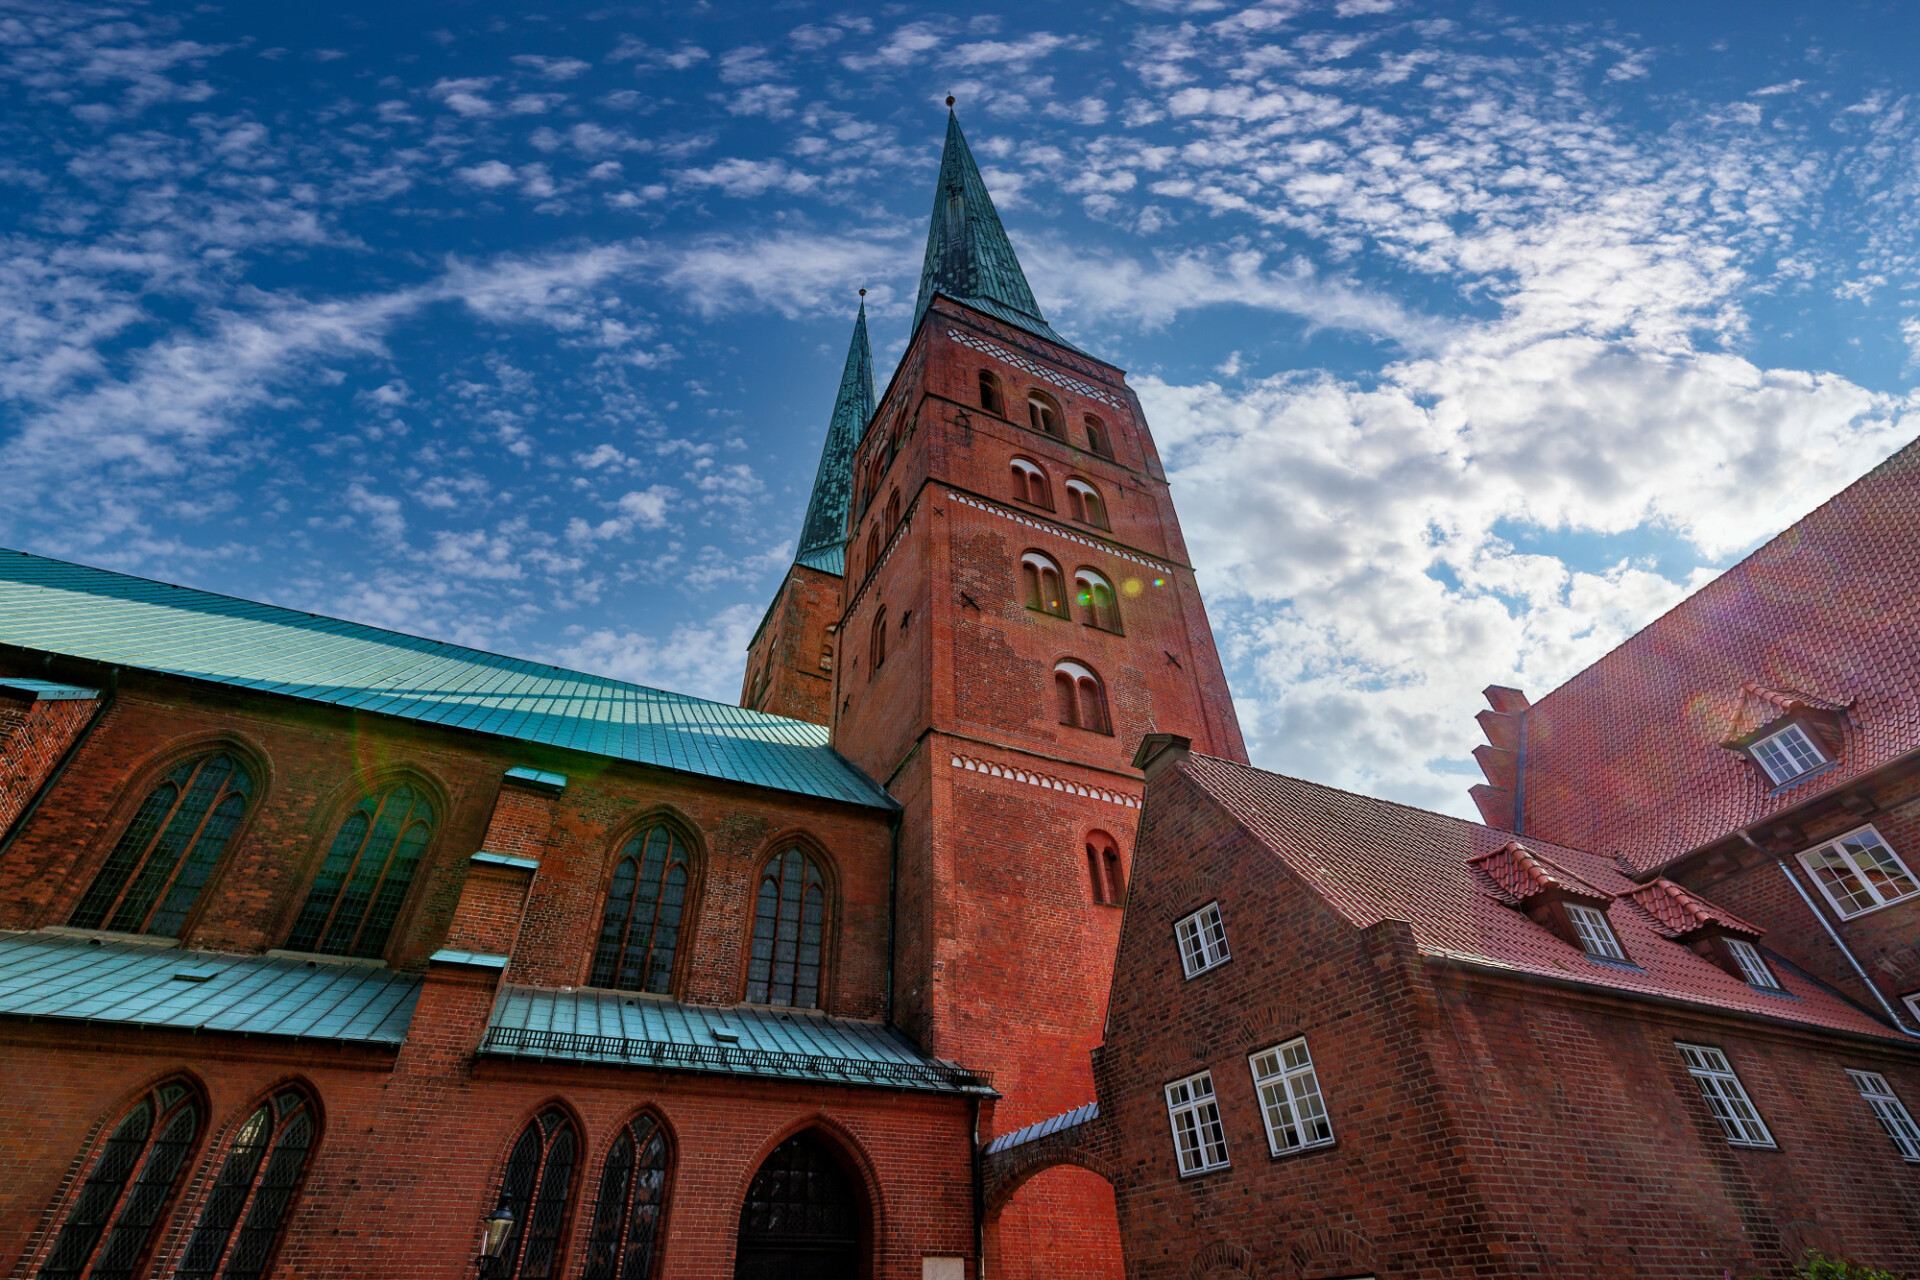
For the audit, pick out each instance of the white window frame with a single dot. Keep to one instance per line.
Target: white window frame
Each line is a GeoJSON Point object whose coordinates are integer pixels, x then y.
{"type": "Point", "coordinates": [1597, 939]}
{"type": "Point", "coordinates": [1726, 1097]}
{"type": "Point", "coordinates": [1202, 939]}
{"type": "Point", "coordinates": [1890, 1111]}
{"type": "Point", "coordinates": [1784, 755]}
{"type": "Point", "coordinates": [1291, 1104]}
{"type": "Point", "coordinates": [1753, 964]}
{"type": "Point", "coordinates": [1912, 1001]}
{"type": "Point", "coordinates": [1847, 904]}
{"type": "Point", "coordinates": [1193, 1113]}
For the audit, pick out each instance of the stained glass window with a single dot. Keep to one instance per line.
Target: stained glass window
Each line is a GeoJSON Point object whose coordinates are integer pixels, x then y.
{"type": "Point", "coordinates": [644, 904]}
{"type": "Point", "coordinates": [535, 1188]}
{"type": "Point", "coordinates": [164, 858]}
{"type": "Point", "coordinates": [256, 1183]}
{"type": "Point", "coordinates": [625, 1241]}
{"type": "Point", "coordinates": [788, 932]}
{"type": "Point", "coordinates": [362, 884]}
{"type": "Point", "coordinates": [112, 1219]}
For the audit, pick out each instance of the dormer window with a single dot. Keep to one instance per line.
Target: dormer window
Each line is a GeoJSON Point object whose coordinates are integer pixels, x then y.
{"type": "Point", "coordinates": [1595, 934]}
{"type": "Point", "coordinates": [1788, 754]}
{"type": "Point", "coordinates": [1753, 966]}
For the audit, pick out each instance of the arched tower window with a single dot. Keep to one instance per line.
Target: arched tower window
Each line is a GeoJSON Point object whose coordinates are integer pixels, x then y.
{"type": "Point", "coordinates": [535, 1188]}
{"type": "Point", "coordinates": [163, 859]}
{"type": "Point", "coordinates": [873, 549]}
{"type": "Point", "coordinates": [1084, 504]}
{"type": "Point", "coordinates": [112, 1219]}
{"type": "Point", "coordinates": [1045, 588]}
{"type": "Point", "coordinates": [1094, 595]}
{"type": "Point", "coordinates": [357, 896]}
{"type": "Point", "coordinates": [992, 399]}
{"type": "Point", "coordinates": [789, 933]}
{"type": "Point", "coordinates": [1030, 484]}
{"type": "Point", "coordinates": [257, 1181]}
{"type": "Point", "coordinates": [641, 929]}
{"type": "Point", "coordinates": [1097, 438]}
{"type": "Point", "coordinates": [893, 511]}
{"type": "Point", "coordinates": [877, 642]}
{"type": "Point", "coordinates": [1103, 869]}
{"type": "Point", "coordinates": [1043, 413]}
{"type": "Point", "coordinates": [1080, 697]}
{"type": "Point", "coordinates": [625, 1241]}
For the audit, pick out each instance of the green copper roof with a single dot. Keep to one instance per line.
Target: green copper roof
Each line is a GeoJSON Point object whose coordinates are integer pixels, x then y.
{"type": "Point", "coordinates": [56, 607]}
{"type": "Point", "coordinates": [969, 258]}
{"type": "Point", "coordinates": [823, 539]}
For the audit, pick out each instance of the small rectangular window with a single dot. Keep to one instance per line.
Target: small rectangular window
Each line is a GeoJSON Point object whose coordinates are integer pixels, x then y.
{"type": "Point", "coordinates": [1199, 1139]}
{"type": "Point", "coordinates": [1725, 1097]}
{"type": "Point", "coordinates": [1753, 964]}
{"type": "Point", "coordinates": [1203, 940]}
{"type": "Point", "coordinates": [1788, 754]}
{"type": "Point", "coordinates": [1290, 1102]}
{"type": "Point", "coordinates": [1891, 1112]}
{"type": "Point", "coordinates": [1859, 873]}
{"type": "Point", "coordinates": [1596, 935]}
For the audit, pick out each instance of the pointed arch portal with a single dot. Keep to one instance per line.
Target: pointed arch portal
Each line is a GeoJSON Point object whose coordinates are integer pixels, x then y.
{"type": "Point", "coordinates": [802, 1217]}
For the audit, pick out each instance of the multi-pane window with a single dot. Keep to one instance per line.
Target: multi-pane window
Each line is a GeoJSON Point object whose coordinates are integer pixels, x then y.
{"type": "Point", "coordinates": [1595, 934]}
{"type": "Point", "coordinates": [535, 1188]}
{"type": "Point", "coordinates": [1859, 873]}
{"type": "Point", "coordinates": [1203, 940]}
{"type": "Point", "coordinates": [1892, 1113]}
{"type": "Point", "coordinates": [788, 926]}
{"type": "Point", "coordinates": [624, 1243]}
{"type": "Point", "coordinates": [1752, 964]}
{"type": "Point", "coordinates": [163, 859]}
{"type": "Point", "coordinates": [357, 896]}
{"type": "Point", "coordinates": [1199, 1140]}
{"type": "Point", "coordinates": [641, 930]}
{"type": "Point", "coordinates": [1788, 754]}
{"type": "Point", "coordinates": [1725, 1097]}
{"type": "Point", "coordinates": [1040, 576]}
{"type": "Point", "coordinates": [256, 1183]}
{"type": "Point", "coordinates": [1290, 1102]}
{"type": "Point", "coordinates": [107, 1230]}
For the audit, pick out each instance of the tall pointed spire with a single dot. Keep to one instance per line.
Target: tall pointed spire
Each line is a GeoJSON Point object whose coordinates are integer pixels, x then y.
{"type": "Point", "coordinates": [969, 258]}
{"type": "Point", "coordinates": [823, 538]}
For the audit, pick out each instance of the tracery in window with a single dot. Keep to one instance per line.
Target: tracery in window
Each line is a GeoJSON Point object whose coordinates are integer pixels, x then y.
{"type": "Point", "coordinates": [1097, 437]}
{"type": "Point", "coordinates": [641, 929]}
{"type": "Point", "coordinates": [107, 1231]}
{"type": "Point", "coordinates": [363, 882]}
{"type": "Point", "coordinates": [1098, 605]}
{"type": "Point", "coordinates": [1030, 484]}
{"type": "Point", "coordinates": [536, 1188]}
{"type": "Point", "coordinates": [1084, 504]}
{"type": "Point", "coordinates": [877, 642]}
{"type": "Point", "coordinates": [991, 397]}
{"type": "Point", "coordinates": [1043, 414]}
{"type": "Point", "coordinates": [257, 1181]}
{"type": "Point", "coordinates": [789, 931]}
{"type": "Point", "coordinates": [1044, 585]}
{"type": "Point", "coordinates": [163, 859]}
{"type": "Point", "coordinates": [624, 1243]}
{"type": "Point", "coordinates": [1103, 869]}
{"type": "Point", "coordinates": [1080, 698]}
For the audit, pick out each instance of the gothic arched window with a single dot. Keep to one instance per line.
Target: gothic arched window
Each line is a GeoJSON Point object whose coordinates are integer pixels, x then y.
{"type": "Point", "coordinates": [1045, 588]}
{"type": "Point", "coordinates": [991, 397]}
{"type": "Point", "coordinates": [535, 1188]}
{"type": "Point", "coordinates": [1094, 594]}
{"type": "Point", "coordinates": [1097, 438]}
{"type": "Point", "coordinates": [1084, 504]}
{"type": "Point", "coordinates": [789, 933]}
{"type": "Point", "coordinates": [1030, 484]}
{"type": "Point", "coordinates": [893, 512]}
{"type": "Point", "coordinates": [624, 1243]}
{"type": "Point", "coordinates": [641, 930]}
{"type": "Point", "coordinates": [363, 882]}
{"type": "Point", "coordinates": [256, 1182]}
{"type": "Point", "coordinates": [873, 549]}
{"type": "Point", "coordinates": [107, 1230]}
{"type": "Point", "coordinates": [877, 642]}
{"type": "Point", "coordinates": [1080, 697]}
{"type": "Point", "coordinates": [163, 859]}
{"type": "Point", "coordinates": [1103, 869]}
{"type": "Point", "coordinates": [1043, 414]}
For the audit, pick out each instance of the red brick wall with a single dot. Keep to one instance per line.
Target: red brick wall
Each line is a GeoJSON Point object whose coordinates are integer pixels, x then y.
{"type": "Point", "coordinates": [783, 661]}
{"type": "Point", "coordinates": [34, 734]}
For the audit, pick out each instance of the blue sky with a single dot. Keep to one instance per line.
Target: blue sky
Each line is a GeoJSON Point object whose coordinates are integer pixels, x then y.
{"type": "Point", "coordinates": [1474, 337]}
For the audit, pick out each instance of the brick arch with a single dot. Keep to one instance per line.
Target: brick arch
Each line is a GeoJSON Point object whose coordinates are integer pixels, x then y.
{"type": "Point", "coordinates": [1222, 1261]}
{"type": "Point", "coordinates": [780, 842]}
{"type": "Point", "coordinates": [699, 858]}
{"type": "Point", "coordinates": [503, 1144]}
{"type": "Point", "coordinates": [1011, 1177]}
{"type": "Point", "coordinates": [854, 1157]}
{"type": "Point", "coordinates": [1329, 1251]}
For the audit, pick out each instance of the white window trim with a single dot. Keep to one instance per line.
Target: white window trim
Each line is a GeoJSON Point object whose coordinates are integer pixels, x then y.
{"type": "Point", "coordinates": [1890, 1112]}
{"type": "Point", "coordinates": [1754, 965]}
{"type": "Point", "coordinates": [1912, 1001]}
{"type": "Point", "coordinates": [1201, 1111]}
{"type": "Point", "coordinates": [1597, 938]}
{"type": "Point", "coordinates": [1726, 1097]}
{"type": "Point", "coordinates": [1208, 939]}
{"type": "Point", "coordinates": [1296, 1085]}
{"type": "Point", "coordinates": [1880, 903]}
{"type": "Point", "coordinates": [1792, 731]}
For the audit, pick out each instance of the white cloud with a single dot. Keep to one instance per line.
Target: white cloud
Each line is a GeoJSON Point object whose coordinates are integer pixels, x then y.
{"type": "Point", "coordinates": [707, 659]}
{"type": "Point", "coordinates": [464, 95]}
{"type": "Point", "coordinates": [551, 68]}
{"type": "Point", "coordinates": [493, 173]}
{"type": "Point", "coordinates": [737, 177]}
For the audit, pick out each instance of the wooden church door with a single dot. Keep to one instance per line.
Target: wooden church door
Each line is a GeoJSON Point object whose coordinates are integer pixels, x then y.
{"type": "Point", "coordinates": [801, 1219]}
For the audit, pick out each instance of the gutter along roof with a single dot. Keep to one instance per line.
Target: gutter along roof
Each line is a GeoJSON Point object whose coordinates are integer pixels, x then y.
{"type": "Point", "coordinates": [113, 618]}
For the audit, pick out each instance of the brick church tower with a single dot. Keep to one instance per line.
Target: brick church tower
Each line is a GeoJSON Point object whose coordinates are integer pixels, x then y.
{"type": "Point", "coordinates": [1015, 611]}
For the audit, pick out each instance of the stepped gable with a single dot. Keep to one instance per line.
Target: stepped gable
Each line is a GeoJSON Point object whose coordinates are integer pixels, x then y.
{"type": "Point", "coordinates": [823, 538]}
{"type": "Point", "coordinates": [1372, 860]}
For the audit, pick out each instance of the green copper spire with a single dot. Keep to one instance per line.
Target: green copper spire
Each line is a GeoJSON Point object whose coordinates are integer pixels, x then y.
{"type": "Point", "coordinates": [969, 258]}
{"type": "Point", "coordinates": [823, 539]}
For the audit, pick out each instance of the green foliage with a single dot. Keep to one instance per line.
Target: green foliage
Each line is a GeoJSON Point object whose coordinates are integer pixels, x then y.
{"type": "Point", "coordinates": [1817, 1266]}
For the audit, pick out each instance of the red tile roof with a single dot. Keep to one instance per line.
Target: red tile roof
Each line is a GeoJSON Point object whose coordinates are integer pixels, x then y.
{"type": "Point", "coordinates": [1761, 707]}
{"type": "Point", "coordinates": [1372, 860]}
{"type": "Point", "coordinates": [1626, 757]}
{"type": "Point", "coordinates": [1678, 911]}
{"type": "Point", "coordinates": [1519, 875]}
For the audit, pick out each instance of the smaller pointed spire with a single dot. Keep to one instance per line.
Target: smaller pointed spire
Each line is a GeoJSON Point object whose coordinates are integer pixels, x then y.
{"type": "Point", "coordinates": [823, 538]}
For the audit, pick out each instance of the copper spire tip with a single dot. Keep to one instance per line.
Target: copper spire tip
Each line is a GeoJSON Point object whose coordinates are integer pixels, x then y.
{"type": "Point", "coordinates": [863, 293]}
{"type": "Point", "coordinates": [949, 100]}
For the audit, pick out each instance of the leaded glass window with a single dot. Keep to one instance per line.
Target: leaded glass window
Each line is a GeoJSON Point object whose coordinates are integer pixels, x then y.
{"type": "Point", "coordinates": [801, 1209]}
{"type": "Point", "coordinates": [789, 925]}
{"type": "Point", "coordinates": [106, 1233]}
{"type": "Point", "coordinates": [256, 1183]}
{"type": "Point", "coordinates": [164, 858]}
{"type": "Point", "coordinates": [625, 1241]}
{"type": "Point", "coordinates": [535, 1188]}
{"type": "Point", "coordinates": [641, 929]}
{"type": "Point", "coordinates": [362, 884]}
